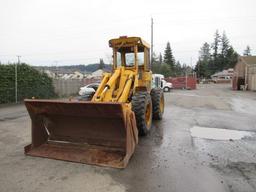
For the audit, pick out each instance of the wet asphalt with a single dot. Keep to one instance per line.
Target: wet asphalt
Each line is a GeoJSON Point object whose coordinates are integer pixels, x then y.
{"type": "Point", "coordinates": [168, 159]}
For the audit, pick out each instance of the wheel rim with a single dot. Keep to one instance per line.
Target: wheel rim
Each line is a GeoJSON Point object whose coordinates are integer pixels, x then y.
{"type": "Point", "coordinates": [148, 115]}
{"type": "Point", "coordinates": [162, 104]}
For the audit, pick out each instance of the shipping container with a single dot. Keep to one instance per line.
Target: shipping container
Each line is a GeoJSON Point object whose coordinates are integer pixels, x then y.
{"type": "Point", "coordinates": [182, 82]}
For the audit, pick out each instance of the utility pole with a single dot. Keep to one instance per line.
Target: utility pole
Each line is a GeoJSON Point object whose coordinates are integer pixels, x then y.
{"type": "Point", "coordinates": [151, 53]}
{"type": "Point", "coordinates": [16, 79]}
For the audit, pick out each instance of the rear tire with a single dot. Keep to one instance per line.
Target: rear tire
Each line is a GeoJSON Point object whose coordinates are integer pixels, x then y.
{"type": "Point", "coordinates": [157, 96]}
{"type": "Point", "coordinates": [167, 89]}
{"type": "Point", "coordinates": [142, 107]}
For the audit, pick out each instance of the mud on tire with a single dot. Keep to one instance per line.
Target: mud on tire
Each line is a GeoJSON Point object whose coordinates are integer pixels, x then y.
{"type": "Point", "coordinates": [157, 96]}
{"type": "Point", "coordinates": [142, 107]}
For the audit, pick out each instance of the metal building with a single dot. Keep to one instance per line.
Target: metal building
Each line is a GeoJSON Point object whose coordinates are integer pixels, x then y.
{"type": "Point", "coordinates": [244, 76]}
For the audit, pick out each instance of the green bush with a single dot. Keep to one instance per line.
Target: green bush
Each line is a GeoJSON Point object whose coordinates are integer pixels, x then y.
{"type": "Point", "coordinates": [31, 83]}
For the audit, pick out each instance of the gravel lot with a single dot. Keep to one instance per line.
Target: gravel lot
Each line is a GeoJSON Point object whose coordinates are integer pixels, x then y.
{"type": "Point", "coordinates": [168, 159]}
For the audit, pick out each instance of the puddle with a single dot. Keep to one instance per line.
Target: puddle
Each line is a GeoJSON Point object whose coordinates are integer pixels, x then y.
{"type": "Point", "coordinates": [247, 106]}
{"type": "Point", "coordinates": [218, 134]}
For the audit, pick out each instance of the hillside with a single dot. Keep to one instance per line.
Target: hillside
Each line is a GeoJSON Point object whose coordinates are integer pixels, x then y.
{"type": "Point", "coordinates": [72, 68]}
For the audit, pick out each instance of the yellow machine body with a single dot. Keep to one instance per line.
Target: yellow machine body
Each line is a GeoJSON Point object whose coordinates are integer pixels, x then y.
{"type": "Point", "coordinates": [102, 131]}
{"type": "Point", "coordinates": [126, 77]}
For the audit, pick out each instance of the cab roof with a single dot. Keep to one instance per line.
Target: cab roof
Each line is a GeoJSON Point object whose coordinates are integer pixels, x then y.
{"type": "Point", "coordinates": [127, 41]}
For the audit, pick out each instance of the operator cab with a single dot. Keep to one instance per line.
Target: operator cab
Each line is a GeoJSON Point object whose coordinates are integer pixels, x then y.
{"type": "Point", "coordinates": [130, 52]}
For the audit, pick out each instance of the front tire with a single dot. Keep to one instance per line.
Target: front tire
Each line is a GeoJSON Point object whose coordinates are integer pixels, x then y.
{"type": "Point", "coordinates": [142, 107]}
{"type": "Point", "coordinates": [157, 96]}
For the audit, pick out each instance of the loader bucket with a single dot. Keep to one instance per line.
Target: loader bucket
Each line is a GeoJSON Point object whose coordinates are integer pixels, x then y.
{"type": "Point", "coordinates": [86, 132]}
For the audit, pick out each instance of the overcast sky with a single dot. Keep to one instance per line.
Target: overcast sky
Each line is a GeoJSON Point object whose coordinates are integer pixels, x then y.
{"type": "Point", "coordinates": [46, 32]}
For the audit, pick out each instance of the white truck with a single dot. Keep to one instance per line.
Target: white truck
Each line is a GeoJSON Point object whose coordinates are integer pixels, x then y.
{"type": "Point", "coordinates": [158, 81]}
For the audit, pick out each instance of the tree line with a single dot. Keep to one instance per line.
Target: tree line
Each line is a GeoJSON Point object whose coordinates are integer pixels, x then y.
{"type": "Point", "coordinates": [217, 56]}
{"type": "Point", "coordinates": [213, 57]}
{"type": "Point", "coordinates": [167, 65]}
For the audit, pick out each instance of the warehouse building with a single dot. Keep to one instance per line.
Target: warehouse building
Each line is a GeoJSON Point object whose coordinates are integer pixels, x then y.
{"type": "Point", "coordinates": [244, 77]}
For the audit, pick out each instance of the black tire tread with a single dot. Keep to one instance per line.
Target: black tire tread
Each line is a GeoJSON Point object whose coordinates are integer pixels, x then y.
{"type": "Point", "coordinates": [139, 101]}
{"type": "Point", "coordinates": [156, 95]}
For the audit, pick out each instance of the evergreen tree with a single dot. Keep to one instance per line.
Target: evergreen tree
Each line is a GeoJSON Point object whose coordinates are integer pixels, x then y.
{"type": "Point", "coordinates": [201, 69]}
{"type": "Point", "coordinates": [228, 56]}
{"type": "Point", "coordinates": [168, 57]}
{"type": "Point", "coordinates": [247, 51]}
{"type": "Point", "coordinates": [160, 58]}
{"type": "Point", "coordinates": [232, 57]}
{"type": "Point", "coordinates": [203, 63]}
{"type": "Point", "coordinates": [165, 70]}
{"type": "Point", "coordinates": [216, 43]}
{"type": "Point", "coordinates": [224, 45]}
{"type": "Point", "coordinates": [102, 64]}
{"type": "Point", "coordinates": [204, 53]}
{"type": "Point", "coordinates": [214, 65]}
{"type": "Point", "coordinates": [178, 69]}
{"type": "Point", "coordinates": [223, 57]}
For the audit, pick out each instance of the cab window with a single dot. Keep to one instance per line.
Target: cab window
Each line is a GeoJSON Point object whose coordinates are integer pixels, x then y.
{"type": "Point", "coordinates": [140, 56]}
{"type": "Point", "coordinates": [129, 59]}
{"type": "Point", "coordinates": [118, 59]}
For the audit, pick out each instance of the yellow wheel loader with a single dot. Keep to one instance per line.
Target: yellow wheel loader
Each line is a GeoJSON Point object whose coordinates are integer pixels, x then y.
{"type": "Point", "coordinates": [103, 131]}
